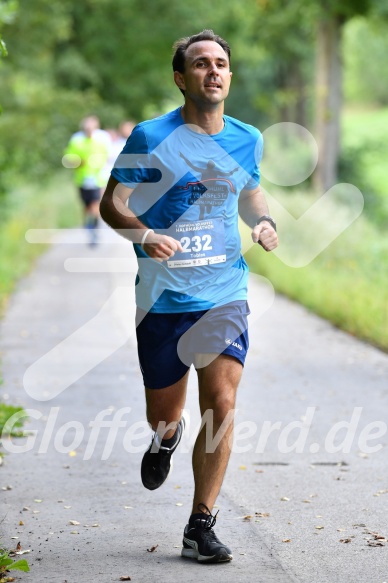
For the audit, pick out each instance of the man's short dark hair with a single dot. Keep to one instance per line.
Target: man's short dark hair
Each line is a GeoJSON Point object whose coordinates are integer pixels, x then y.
{"type": "Point", "coordinates": [181, 45]}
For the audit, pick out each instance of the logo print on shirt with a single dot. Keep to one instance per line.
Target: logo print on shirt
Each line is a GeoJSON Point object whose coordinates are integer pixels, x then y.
{"type": "Point", "coordinates": [212, 189]}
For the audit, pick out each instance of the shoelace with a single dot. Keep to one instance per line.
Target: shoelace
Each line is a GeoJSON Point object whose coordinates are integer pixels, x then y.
{"type": "Point", "coordinates": [210, 520]}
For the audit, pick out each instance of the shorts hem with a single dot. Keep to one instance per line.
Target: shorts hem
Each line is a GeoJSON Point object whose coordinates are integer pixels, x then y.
{"type": "Point", "coordinates": [163, 385]}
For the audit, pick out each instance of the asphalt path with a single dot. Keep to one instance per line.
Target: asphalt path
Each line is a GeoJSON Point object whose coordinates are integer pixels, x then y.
{"type": "Point", "coordinates": [306, 491]}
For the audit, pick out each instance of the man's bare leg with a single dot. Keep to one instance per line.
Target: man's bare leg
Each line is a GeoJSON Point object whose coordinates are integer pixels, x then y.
{"type": "Point", "coordinates": [218, 384]}
{"type": "Point", "coordinates": [165, 406]}
{"type": "Point", "coordinates": [164, 411]}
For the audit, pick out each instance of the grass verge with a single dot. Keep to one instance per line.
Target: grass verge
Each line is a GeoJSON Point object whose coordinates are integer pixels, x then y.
{"type": "Point", "coordinates": [346, 284]}
{"type": "Point", "coordinates": [52, 205]}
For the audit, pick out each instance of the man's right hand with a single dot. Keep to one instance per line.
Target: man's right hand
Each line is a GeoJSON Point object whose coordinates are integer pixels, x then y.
{"type": "Point", "coordinates": [161, 247]}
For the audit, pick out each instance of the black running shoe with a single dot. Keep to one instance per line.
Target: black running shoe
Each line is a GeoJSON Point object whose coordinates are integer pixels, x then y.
{"type": "Point", "coordinates": [157, 461]}
{"type": "Point", "coordinates": [200, 542]}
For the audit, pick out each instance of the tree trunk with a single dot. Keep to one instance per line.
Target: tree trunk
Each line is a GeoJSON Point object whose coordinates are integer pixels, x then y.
{"type": "Point", "coordinates": [292, 85]}
{"type": "Point", "coordinates": [328, 101]}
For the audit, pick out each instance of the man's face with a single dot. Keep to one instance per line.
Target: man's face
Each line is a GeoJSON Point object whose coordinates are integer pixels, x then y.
{"type": "Point", "coordinates": [206, 79]}
{"type": "Point", "coordinates": [90, 125]}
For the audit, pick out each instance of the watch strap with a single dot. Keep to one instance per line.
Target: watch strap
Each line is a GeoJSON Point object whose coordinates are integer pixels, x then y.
{"type": "Point", "coordinates": [267, 218]}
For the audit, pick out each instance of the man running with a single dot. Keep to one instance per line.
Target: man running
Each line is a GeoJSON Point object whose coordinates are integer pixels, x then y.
{"type": "Point", "coordinates": [87, 152]}
{"type": "Point", "coordinates": [191, 290]}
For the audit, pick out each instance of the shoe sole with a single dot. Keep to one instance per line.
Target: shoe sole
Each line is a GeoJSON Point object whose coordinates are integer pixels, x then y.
{"type": "Point", "coordinates": [193, 554]}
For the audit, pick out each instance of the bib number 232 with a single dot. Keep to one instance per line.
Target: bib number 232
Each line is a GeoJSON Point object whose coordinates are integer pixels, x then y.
{"type": "Point", "coordinates": [203, 243]}
{"type": "Point", "coordinates": [196, 243]}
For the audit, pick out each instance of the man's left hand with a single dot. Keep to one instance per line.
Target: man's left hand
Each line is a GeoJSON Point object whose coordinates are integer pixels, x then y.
{"type": "Point", "coordinates": [266, 235]}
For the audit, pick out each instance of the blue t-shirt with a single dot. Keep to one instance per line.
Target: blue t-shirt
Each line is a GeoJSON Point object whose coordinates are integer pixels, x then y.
{"type": "Point", "coordinates": [187, 185]}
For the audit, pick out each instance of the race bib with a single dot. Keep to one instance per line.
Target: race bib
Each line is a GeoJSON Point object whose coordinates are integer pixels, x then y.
{"type": "Point", "coordinates": [203, 243]}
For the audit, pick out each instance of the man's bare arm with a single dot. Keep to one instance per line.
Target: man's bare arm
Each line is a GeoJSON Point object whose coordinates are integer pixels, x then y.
{"type": "Point", "coordinates": [252, 206]}
{"type": "Point", "coordinates": [115, 213]}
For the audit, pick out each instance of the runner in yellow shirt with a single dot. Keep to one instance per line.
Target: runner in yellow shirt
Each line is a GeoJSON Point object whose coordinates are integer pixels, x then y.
{"type": "Point", "coordinates": [87, 153]}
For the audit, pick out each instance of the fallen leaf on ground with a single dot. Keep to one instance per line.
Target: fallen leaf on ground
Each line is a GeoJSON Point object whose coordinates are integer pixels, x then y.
{"type": "Point", "coordinates": [262, 514]}
{"type": "Point", "coordinates": [125, 578]}
{"type": "Point", "coordinates": [284, 499]}
{"type": "Point", "coordinates": [37, 500]}
{"type": "Point", "coordinates": [179, 504]}
{"type": "Point", "coordinates": [247, 517]}
{"type": "Point", "coordinates": [67, 507]}
{"type": "Point", "coordinates": [26, 508]}
{"type": "Point", "coordinates": [378, 539]}
{"type": "Point", "coordinates": [345, 540]}
{"type": "Point", "coordinates": [128, 507]}
{"type": "Point", "coordinates": [319, 527]}
{"type": "Point", "coordinates": [74, 522]}
{"type": "Point", "coordinates": [18, 550]}
{"type": "Point", "coordinates": [152, 549]}
{"type": "Point", "coordinates": [21, 523]}
{"type": "Point", "coordinates": [286, 540]}
{"type": "Point", "coordinates": [74, 532]}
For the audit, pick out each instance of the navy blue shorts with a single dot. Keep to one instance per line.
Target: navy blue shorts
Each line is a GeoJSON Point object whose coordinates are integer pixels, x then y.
{"type": "Point", "coordinates": [168, 343]}
{"type": "Point", "coordinates": [89, 195]}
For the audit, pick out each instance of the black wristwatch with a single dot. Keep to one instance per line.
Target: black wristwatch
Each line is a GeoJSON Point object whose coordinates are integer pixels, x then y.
{"type": "Point", "coordinates": [268, 219]}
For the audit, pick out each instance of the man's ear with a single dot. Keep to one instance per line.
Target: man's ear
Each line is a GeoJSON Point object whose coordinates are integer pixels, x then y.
{"type": "Point", "coordinates": [179, 80]}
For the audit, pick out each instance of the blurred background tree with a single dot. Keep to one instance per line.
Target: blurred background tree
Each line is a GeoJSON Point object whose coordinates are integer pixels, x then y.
{"type": "Point", "coordinates": [70, 58]}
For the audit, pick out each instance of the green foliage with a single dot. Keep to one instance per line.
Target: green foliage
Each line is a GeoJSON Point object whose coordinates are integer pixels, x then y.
{"type": "Point", "coordinates": [53, 205]}
{"type": "Point", "coordinates": [6, 412]}
{"type": "Point", "coordinates": [6, 564]}
{"type": "Point", "coordinates": [345, 284]}
{"type": "Point", "coordinates": [68, 59]}
{"type": "Point", "coordinates": [363, 158]}
{"type": "Point", "coordinates": [366, 71]}
{"type": "Point", "coordinates": [7, 12]}
{"type": "Point", "coordinates": [3, 48]}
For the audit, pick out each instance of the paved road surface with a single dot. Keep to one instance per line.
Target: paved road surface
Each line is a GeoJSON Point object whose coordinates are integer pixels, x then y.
{"type": "Point", "coordinates": [303, 493]}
